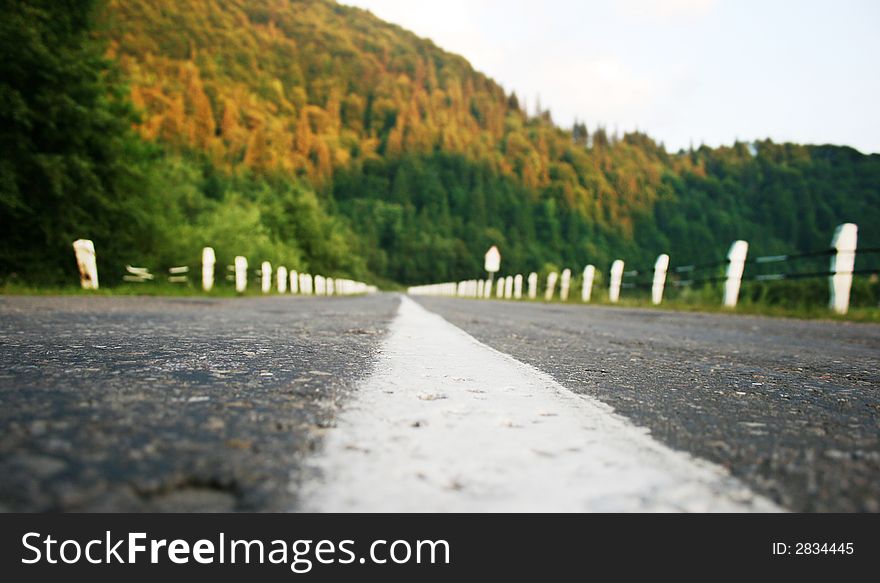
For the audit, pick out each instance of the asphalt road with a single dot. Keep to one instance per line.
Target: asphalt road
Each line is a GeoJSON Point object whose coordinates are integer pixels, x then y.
{"type": "Point", "coordinates": [137, 404]}
{"type": "Point", "coordinates": [152, 404]}
{"type": "Point", "coordinates": [791, 407]}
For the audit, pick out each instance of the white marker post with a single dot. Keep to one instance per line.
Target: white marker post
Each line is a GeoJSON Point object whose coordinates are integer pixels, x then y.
{"type": "Point", "coordinates": [551, 285]}
{"type": "Point", "coordinates": [587, 289]}
{"type": "Point", "coordinates": [480, 284]}
{"type": "Point", "coordinates": [736, 264]}
{"type": "Point", "coordinates": [492, 262]}
{"type": "Point", "coordinates": [616, 279]}
{"type": "Point", "coordinates": [499, 288]}
{"type": "Point", "coordinates": [294, 281]}
{"type": "Point", "coordinates": [281, 279]}
{"type": "Point", "coordinates": [330, 285]}
{"type": "Point", "coordinates": [564, 284]}
{"type": "Point", "coordinates": [661, 266]}
{"type": "Point", "coordinates": [266, 276]}
{"type": "Point", "coordinates": [87, 263]}
{"type": "Point", "coordinates": [517, 286]}
{"type": "Point", "coordinates": [208, 261]}
{"type": "Point", "coordinates": [533, 285]}
{"type": "Point", "coordinates": [842, 265]}
{"type": "Point", "coordinates": [241, 266]}
{"type": "Point", "coordinates": [305, 284]}
{"type": "Point", "coordinates": [488, 289]}
{"type": "Point", "coordinates": [508, 287]}
{"type": "Point", "coordinates": [320, 285]}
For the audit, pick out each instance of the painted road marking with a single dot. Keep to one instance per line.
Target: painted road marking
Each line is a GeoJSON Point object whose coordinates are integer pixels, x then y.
{"type": "Point", "coordinates": [448, 424]}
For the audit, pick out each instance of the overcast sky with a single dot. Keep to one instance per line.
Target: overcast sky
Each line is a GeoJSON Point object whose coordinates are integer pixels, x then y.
{"type": "Point", "coordinates": [701, 71]}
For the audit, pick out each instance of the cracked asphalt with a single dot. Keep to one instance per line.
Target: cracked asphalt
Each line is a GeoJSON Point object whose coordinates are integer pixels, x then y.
{"type": "Point", "coordinates": [197, 404]}
{"type": "Point", "coordinates": [168, 404]}
{"type": "Point", "coordinates": [790, 407]}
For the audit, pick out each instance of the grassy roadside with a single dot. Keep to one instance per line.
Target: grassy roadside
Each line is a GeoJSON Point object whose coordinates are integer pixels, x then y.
{"type": "Point", "coordinates": [808, 312]}
{"type": "Point", "coordinates": [132, 289]}
{"type": "Point", "coordinates": [805, 312]}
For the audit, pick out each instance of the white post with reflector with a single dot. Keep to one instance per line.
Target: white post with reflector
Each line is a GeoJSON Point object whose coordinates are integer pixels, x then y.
{"type": "Point", "coordinates": [587, 289]}
{"type": "Point", "coordinates": [661, 266]}
{"type": "Point", "coordinates": [517, 286]}
{"type": "Point", "coordinates": [564, 284]}
{"type": "Point", "coordinates": [552, 277]}
{"type": "Point", "coordinates": [241, 266]}
{"type": "Point", "coordinates": [533, 285]}
{"type": "Point", "coordinates": [842, 264]}
{"type": "Point", "coordinates": [616, 280]}
{"type": "Point", "coordinates": [87, 263]}
{"type": "Point", "coordinates": [736, 264]}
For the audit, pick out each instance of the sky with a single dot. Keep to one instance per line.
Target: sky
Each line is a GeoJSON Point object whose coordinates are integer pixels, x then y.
{"type": "Point", "coordinates": [683, 71]}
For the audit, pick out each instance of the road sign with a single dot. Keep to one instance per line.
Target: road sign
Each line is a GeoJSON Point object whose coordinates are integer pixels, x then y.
{"type": "Point", "coordinates": [493, 259]}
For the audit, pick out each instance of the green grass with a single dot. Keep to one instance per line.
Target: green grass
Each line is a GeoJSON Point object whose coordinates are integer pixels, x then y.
{"type": "Point", "coordinates": [125, 289]}
{"type": "Point", "coordinates": [702, 302]}
{"type": "Point", "coordinates": [707, 303]}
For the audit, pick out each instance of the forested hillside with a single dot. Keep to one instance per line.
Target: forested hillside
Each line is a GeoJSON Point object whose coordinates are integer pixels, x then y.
{"type": "Point", "coordinates": [314, 134]}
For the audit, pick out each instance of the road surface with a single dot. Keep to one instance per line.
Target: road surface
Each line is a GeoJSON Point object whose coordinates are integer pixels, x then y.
{"type": "Point", "coordinates": [157, 404]}
{"type": "Point", "coordinates": [367, 403]}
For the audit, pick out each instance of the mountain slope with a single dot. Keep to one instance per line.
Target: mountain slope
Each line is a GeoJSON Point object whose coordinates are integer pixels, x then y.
{"type": "Point", "coordinates": [316, 135]}
{"type": "Point", "coordinates": [376, 116]}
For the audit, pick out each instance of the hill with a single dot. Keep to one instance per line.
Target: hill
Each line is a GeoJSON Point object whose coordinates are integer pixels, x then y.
{"type": "Point", "coordinates": [306, 132]}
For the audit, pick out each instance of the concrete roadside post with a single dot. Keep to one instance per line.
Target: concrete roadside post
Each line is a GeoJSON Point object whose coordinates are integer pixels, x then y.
{"type": "Point", "coordinates": [533, 285]}
{"type": "Point", "coordinates": [294, 281]}
{"type": "Point", "coordinates": [266, 276]}
{"type": "Point", "coordinates": [616, 279]}
{"type": "Point", "coordinates": [87, 263]}
{"type": "Point", "coordinates": [587, 289]}
{"type": "Point", "coordinates": [499, 288]}
{"type": "Point", "coordinates": [552, 277]}
{"type": "Point", "coordinates": [843, 262]}
{"type": "Point", "coordinates": [480, 284]}
{"type": "Point", "coordinates": [564, 284]}
{"type": "Point", "coordinates": [492, 262]}
{"type": "Point", "coordinates": [208, 261]}
{"type": "Point", "coordinates": [517, 286]}
{"type": "Point", "coordinates": [281, 279]}
{"type": "Point", "coordinates": [241, 267]}
{"type": "Point", "coordinates": [661, 266]}
{"type": "Point", "coordinates": [736, 264]}
{"type": "Point", "coordinates": [508, 287]}
{"type": "Point", "coordinates": [305, 284]}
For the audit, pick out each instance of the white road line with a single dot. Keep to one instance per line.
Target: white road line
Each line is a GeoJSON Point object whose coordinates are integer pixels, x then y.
{"type": "Point", "coordinates": [448, 424]}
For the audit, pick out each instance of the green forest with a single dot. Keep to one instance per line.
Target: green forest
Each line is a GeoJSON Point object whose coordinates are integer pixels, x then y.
{"type": "Point", "coordinates": [317, 136]}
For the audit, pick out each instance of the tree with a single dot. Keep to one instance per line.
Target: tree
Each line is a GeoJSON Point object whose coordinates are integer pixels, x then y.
{"type": "Point", "coordinates": [70, 165]}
